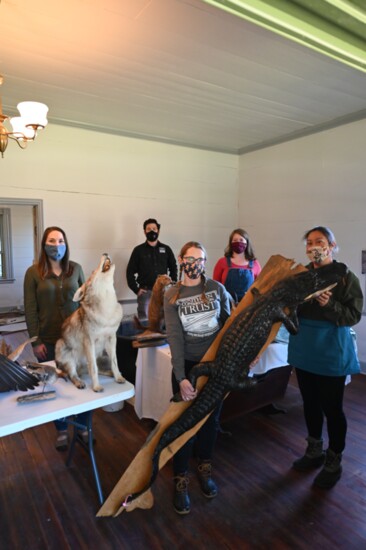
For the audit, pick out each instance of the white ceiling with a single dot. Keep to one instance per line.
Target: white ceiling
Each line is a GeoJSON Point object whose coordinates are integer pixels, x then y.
{"type": "Point", "coordinates": [179, 71]}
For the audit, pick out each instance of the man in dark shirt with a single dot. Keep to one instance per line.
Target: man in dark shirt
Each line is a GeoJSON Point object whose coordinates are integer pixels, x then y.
{"type": "Point", "coordinates": [147, 261]}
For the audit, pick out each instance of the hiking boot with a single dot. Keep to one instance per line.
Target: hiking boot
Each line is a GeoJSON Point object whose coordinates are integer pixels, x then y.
{"type": "Point", "coordinates": [62, 441]}
{"type": "Point", "coordinates": [208, 486]}
{"type": "Point", "coordinates": [313, 458]}
{"type": "Point", "coordinates": [182, 503]}
{"type": "Point", "coordinates": [331, 472]}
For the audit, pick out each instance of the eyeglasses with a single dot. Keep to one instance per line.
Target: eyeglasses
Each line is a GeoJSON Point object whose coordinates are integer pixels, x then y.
{"type": "Point", "coordinates": [191, 260]}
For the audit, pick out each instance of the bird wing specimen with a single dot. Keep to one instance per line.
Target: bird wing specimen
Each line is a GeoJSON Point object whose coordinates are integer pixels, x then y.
{"type": "Point", "coordinates": [14, 377]}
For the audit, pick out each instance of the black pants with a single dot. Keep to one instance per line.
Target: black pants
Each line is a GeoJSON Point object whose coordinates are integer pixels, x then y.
{"type": "Point", "coordinates": [203, 441]}
{"type": "Point", "coordinates": [323, 397]}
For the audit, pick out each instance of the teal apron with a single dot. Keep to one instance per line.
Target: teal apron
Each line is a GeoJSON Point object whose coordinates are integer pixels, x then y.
{"type": "Point", "coordinates": [323, 348]}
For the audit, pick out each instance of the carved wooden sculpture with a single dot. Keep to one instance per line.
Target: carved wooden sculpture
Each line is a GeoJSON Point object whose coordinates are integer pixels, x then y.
{"type": "Point", "coordinates": [245, 335]}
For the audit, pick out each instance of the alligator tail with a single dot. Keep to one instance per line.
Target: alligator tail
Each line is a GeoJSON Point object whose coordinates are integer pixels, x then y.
{"type": "Point", "coordinates": [185, 422]}
{"type": "Point", "coordinates": [164, 441]}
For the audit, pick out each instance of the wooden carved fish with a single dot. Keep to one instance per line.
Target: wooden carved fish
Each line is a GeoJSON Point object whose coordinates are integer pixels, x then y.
{"type": "Point", "coordinates": [239, 347]}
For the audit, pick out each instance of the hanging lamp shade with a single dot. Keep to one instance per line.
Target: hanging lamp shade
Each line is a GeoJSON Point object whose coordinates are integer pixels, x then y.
{"type": "Point", "coordinates": [33, 117]}
{"type": "Point", "coordinates": [33, 113]}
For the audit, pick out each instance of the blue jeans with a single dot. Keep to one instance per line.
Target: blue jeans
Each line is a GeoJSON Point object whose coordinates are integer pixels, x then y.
{"type": "Point", "coordinates": [203, 442]}
{"type": "Point", "coordinates": [61, 425]}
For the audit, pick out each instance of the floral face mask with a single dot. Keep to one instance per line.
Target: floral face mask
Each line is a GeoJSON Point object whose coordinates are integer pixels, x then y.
{"type": "Point", "coordinates": [318, 254]}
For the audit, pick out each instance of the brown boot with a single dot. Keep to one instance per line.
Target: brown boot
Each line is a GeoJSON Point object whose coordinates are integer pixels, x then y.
{"type": "Point", "coordinates": [332, 471]}
{"type": "Point", "coordinates": [208, 486]}
{"type": "Point", "coordinates": [314, 456]}
{"type": "Point", "coordinates": [182, 503]}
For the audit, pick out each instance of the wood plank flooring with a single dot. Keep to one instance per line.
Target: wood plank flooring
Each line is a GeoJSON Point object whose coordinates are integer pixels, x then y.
{"type": "Point", "coordinates": [262, 503]}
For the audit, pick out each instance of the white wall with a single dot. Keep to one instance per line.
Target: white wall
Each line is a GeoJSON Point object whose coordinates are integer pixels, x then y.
{"type": "Point", "coordinates": [100, 188]}
{"type": "Point", "coordinates": [317, 180]}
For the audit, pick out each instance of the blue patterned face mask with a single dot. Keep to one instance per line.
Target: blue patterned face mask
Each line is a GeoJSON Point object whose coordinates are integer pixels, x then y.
{"type": "Point", "coordinates": [54, 251]}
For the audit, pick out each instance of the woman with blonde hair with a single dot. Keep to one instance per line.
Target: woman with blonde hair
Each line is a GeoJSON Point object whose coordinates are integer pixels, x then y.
{"type": "Point", "coordinates": [195, 309]}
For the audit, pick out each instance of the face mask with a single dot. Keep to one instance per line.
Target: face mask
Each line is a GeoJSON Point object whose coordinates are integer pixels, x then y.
{"type": "Point", "coordinates": [318, 254]}
{"type": "Point", "coordinates": [193, 271]}
{"type": "Point", "coordinates": [238, 247]}
{"type": "Point", "coordinates": [55, 252]}
{"type": "Point", "coordinates": [152, 236]}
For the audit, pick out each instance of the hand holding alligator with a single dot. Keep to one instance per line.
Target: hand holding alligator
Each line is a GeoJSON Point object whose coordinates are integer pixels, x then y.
{"type": "Point", "coordinates": [253, 363]}
{"type": "Point", "coordinates": [324, 298]}
{"type": "Point", "coordinates": [187, 390]}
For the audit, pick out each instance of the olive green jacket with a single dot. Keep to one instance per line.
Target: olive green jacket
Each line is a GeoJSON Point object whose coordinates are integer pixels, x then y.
{"type": "Point", "coordinates": [48, 302]}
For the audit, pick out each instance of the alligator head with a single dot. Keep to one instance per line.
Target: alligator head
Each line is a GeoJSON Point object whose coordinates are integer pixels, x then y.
{"type": "Point", "coordinates": [306, 285]}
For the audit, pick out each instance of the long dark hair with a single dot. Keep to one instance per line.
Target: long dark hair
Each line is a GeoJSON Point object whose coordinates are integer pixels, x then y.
{"type": "Point", "coordinates": [44, 264]}
{"type": "Point", "coordinates": [185, 247]}
{"type": "Point", "coordinates": [249, 251]}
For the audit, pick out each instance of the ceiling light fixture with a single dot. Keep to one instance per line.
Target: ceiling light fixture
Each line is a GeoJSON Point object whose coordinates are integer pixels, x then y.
{"type": "Point", "coordinates": [33, 117]}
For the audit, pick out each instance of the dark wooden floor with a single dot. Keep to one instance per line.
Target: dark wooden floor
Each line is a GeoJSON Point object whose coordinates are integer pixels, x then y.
{"type": "Point", "coordinates": [262, 503]}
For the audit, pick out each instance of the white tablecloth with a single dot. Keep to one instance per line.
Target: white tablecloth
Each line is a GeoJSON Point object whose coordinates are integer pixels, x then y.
{"type": "Point", "coordinates": [273, 357]}
{"type": "Point", "coordinates": [153, 388]}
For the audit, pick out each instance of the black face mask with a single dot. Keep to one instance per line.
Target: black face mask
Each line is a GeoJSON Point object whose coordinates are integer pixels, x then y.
{"type": "Point", "coordinates": [152, 236]}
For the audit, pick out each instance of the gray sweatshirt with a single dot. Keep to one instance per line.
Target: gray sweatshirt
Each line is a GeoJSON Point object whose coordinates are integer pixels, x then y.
{"type": "Point", "coordinates": [192, 324]}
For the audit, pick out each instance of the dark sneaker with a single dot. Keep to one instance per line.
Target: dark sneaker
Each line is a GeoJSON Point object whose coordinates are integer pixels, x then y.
{"type": "Point", "coordinates": [84, 436]}
{"type": "Point", "coordinates": [62, 441]}
{"type": "Point", "coordinates": [332, 471]}
{"type": "Point", "coordinates": [208, 486]}
{"type": "Point", "coordinates": [182, 503]}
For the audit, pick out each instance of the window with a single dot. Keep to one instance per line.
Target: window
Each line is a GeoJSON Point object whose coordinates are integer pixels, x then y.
{"type": "Point", "coordinates": [6, 260]}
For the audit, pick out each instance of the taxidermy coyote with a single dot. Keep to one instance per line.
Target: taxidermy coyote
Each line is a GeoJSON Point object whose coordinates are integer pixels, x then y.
{"type": "Point", "coordinates": [90, 332]}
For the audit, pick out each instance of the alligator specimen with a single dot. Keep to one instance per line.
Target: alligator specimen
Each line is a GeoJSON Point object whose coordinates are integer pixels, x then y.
{"type": "Point", "coordinates": [240, 346]}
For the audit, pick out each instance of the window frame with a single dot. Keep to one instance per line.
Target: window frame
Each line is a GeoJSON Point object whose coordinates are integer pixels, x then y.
{"type": "Point", "coordinates": [7, 269]}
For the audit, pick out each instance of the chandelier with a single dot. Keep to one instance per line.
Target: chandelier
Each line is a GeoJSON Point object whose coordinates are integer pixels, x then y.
{"type": "Point", "coordinates": [33, 117]}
